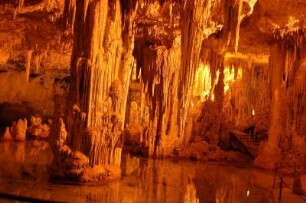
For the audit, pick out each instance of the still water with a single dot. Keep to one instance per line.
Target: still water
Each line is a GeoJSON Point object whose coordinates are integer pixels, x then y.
{"type": "Point", "coordinates": [23, 172]}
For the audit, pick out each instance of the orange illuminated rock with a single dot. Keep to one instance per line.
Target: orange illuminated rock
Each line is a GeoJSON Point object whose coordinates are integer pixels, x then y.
{"type": "Point", "coordinates": [21, 130]}
{"type": "Point", "coordinates": [175, 77]}
{"type": "Point", "coordinates": [37, 128]}
{"type": "Point", "coordinates": [7, 136]}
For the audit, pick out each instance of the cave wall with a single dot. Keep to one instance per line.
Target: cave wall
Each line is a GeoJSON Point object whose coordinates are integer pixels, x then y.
{"type": "Point", "coordinates": [37, 93]}
{"type": "Point", "coordinates": [33, 53]}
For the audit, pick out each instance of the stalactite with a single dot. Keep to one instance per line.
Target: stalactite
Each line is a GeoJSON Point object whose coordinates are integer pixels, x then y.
{"type": "Point", "coordinates": [247, 99]}
{"type": "Point", "coordinates": [194, 18]}
{"type": "Point", "coordinates": [127, 62]}
{"type": "Point", "coordinates": [36, 62]}
{"type": "Point", "coordinates": [233, 18]}
{"type": "Point", "coordinates": [238, 97]}
{"type": "Point", "coordinates": [69, 14]}
{"type": "Point", "coordinates": [159, 72]}
{"type": "Point", "coordinates": [101, 67]}
{"type": "Point", "coordinates": [218, 64]}
{"type": "Point", "coordinates": [237, 30]}
{"type": "Point", "coordinates": [37, 7]}
{"type": "Point", "coordinates": [285, 62]}
{"type": "Point", "coordinates": [20, 4]}
{"type": "Point", "coordinates": [28, 64]}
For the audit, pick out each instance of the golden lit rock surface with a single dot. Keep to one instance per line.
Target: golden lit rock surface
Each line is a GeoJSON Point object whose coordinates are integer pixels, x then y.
{"type": "Point", "coordinates": [208, 80]}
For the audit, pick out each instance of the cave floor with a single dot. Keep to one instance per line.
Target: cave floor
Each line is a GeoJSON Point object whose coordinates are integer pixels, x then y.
{"type": "Point", "coordinates": [24, 174]}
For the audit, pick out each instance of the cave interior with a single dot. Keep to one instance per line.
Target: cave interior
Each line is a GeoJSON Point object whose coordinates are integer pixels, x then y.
{"type": "Point", "coordinates": [93, 90]}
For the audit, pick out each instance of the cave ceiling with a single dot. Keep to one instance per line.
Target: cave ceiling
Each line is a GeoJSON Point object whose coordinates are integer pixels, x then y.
{"type": "Point", "coordinates": [156, 23]}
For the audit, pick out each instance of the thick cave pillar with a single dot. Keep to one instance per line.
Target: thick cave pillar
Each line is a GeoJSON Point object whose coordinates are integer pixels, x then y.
{"type": "Point", "coordinates": [195, 16]}
{"type": "Point", "coordinates": [271, 152]}
{"type": "Point", "coordinates": [100, 69]}
{"type": "Point", "coordinates": [286, 92]}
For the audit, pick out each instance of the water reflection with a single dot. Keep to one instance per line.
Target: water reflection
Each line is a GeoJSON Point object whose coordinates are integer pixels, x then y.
{"type": "Point", "coordinates": [23, 171]}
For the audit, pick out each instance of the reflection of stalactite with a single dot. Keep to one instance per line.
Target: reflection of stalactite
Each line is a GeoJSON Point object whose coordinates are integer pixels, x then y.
{"type": "Point", "coordinates": [221, 195]}
{"type": "Point", "coordinates": [160, 185]}
{"type": "Point", "coordinates": [191, 193]}
{"type": "Point", "coordinates": [20, 152]}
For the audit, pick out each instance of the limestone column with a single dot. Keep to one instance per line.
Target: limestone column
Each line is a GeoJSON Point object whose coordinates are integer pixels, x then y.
{"type": "Point", "coordinates": [270, 154]}
{"type": "Point", "coordinates": [95, 114]}
{"type": "Point", "coordinates": [285, 64]}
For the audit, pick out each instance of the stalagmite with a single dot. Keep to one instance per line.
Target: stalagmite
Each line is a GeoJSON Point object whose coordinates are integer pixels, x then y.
{"type": "Point", "coordinates": [7, 135]}
{"type": "Point", "coordinates": [20, 130]}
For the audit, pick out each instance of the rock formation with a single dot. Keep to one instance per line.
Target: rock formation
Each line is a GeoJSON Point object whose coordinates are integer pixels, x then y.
{"type": "Point", "coordinates": [37, 129]}
{"type": "Point", "coordinates": [7, 136]}
{"type": "Point", "coordinates": [19, 130]}
{"type": "Point", "coordinates": [285, 63]}
{"type": "Point", "coordinates": [175, 78]}
{"type": "Point", "coordinates": [98, 86]}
